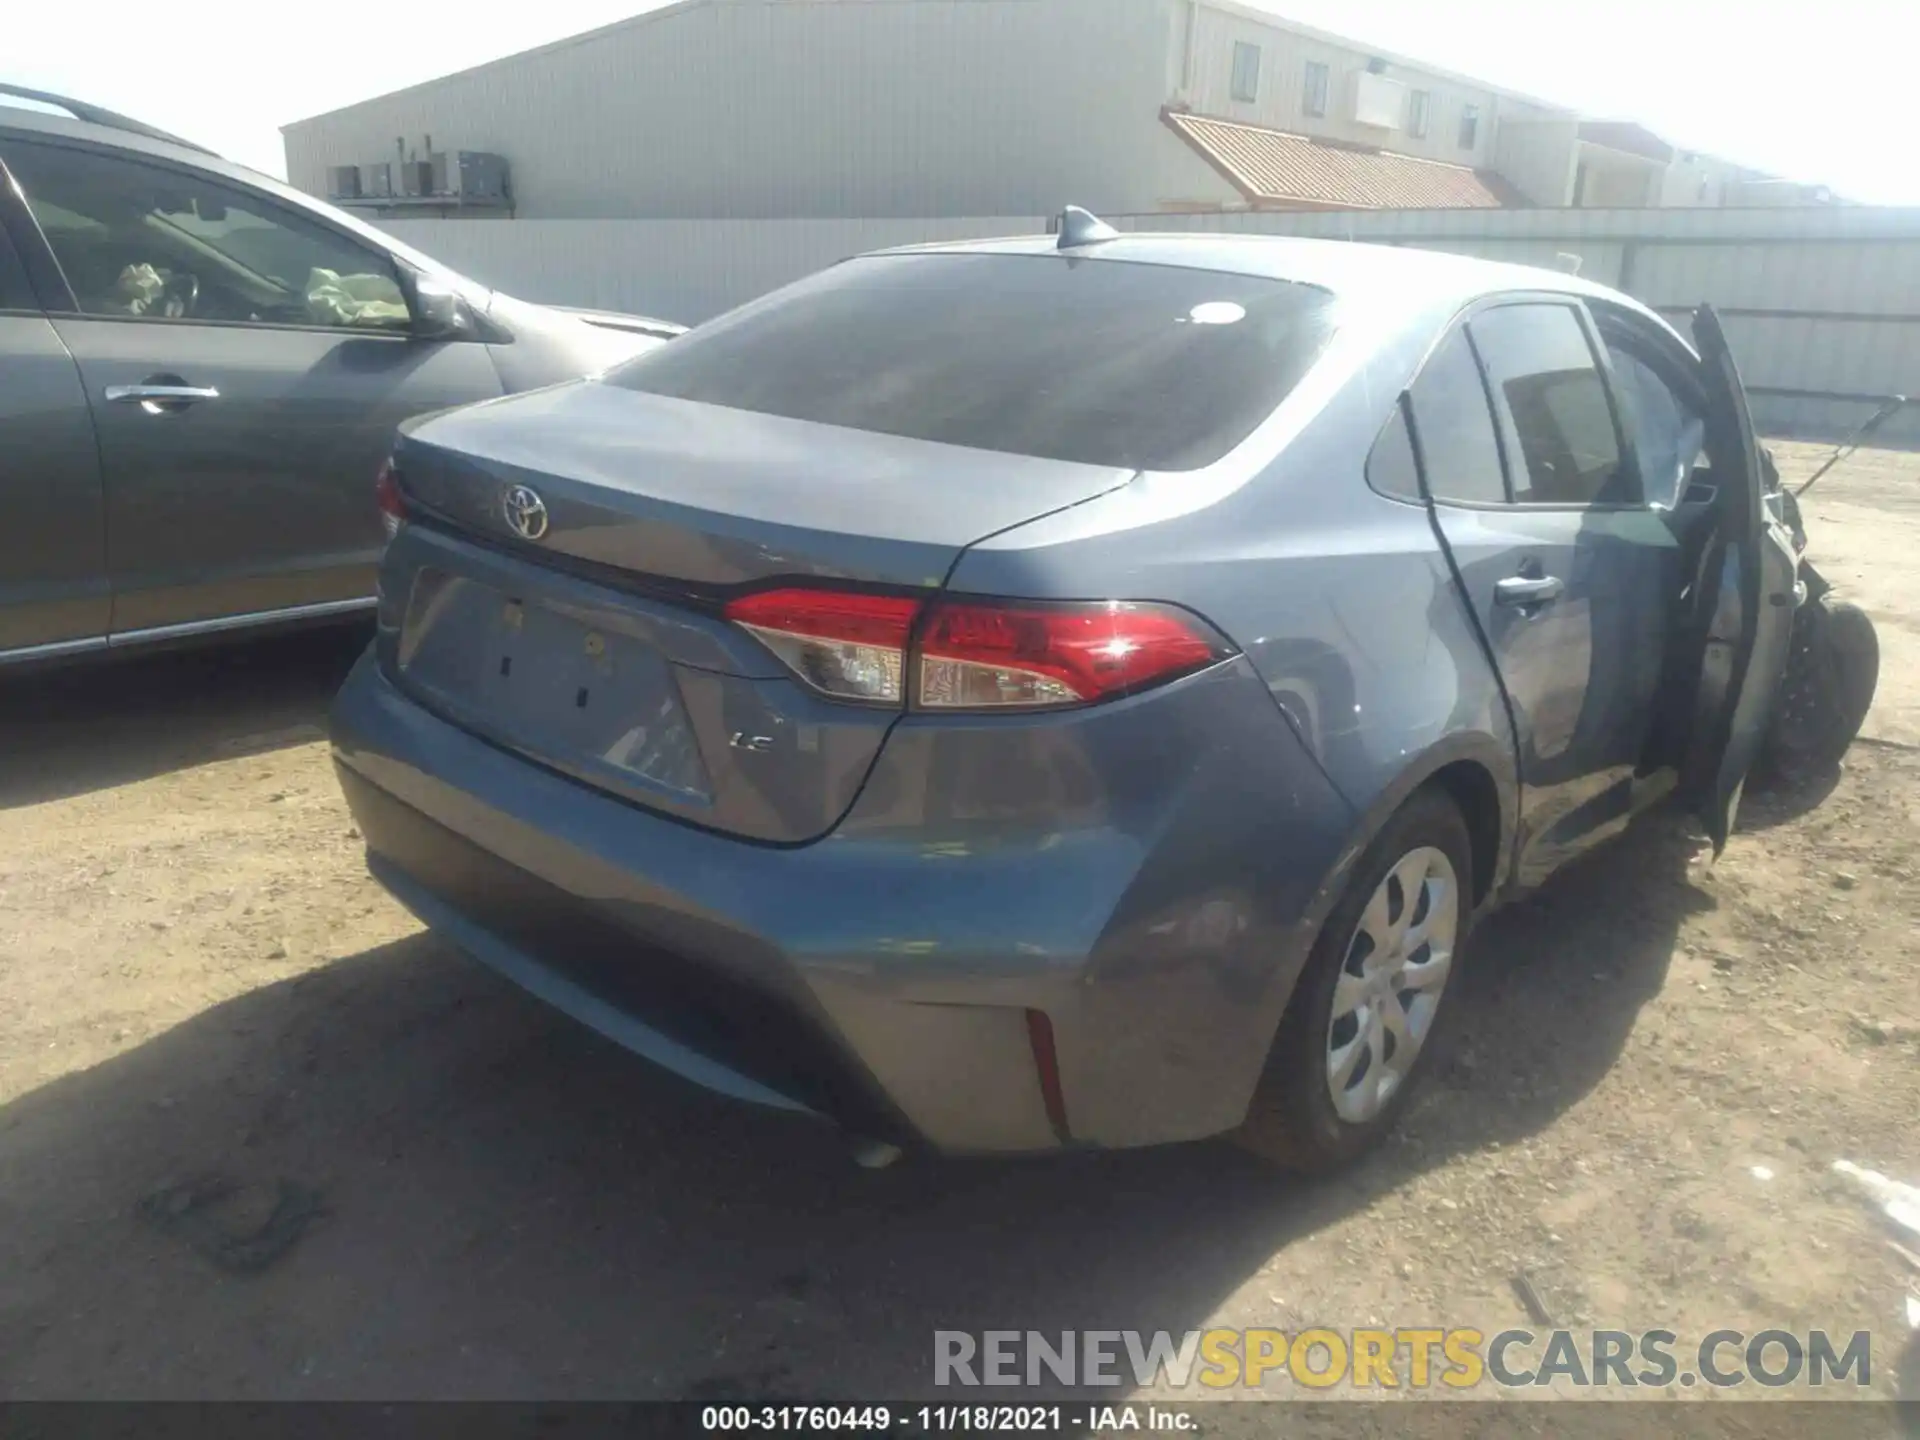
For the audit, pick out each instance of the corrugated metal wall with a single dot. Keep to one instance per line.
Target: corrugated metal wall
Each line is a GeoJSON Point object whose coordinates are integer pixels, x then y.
{"type": "Point", "coordinates": [1536, 156]}
{"type": "Point", "coordinates": [1822, 300]}
{"type": "Point", "coordinates": [1284, 54]}
{"type": "Point", "coordinates": [777, 109]}
{"type": "Point", "coordinates": [1818, 300]}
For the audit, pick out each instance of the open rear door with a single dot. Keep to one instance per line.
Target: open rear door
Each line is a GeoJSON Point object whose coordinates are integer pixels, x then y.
{"type": "Point", "coordinates": [1744, 606]}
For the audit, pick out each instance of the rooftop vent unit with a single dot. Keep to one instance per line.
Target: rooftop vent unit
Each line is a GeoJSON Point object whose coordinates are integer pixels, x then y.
{"type": "Point", "coordinates": [442, 180]}
{"type": "Point", "coordinates": [470, 175]}
{"type": "Point", "coordinates": [416, 178]}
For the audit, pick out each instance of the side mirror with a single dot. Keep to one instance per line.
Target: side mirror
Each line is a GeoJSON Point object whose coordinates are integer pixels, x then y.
{"type": "Point", "coordinates": [438, 311]}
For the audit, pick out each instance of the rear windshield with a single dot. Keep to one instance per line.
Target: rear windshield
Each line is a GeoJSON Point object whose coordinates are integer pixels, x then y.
{"type": "Point", "coordinates": [1144, 367]}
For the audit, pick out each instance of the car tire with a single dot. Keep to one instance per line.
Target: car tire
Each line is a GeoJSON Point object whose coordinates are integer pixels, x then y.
{"type": "Point", "coordinates": [1828, 689]}
{"type": "Point", "coordinates": [1301, 1117]}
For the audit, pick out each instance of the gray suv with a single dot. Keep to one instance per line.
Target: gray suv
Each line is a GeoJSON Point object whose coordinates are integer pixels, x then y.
{"type": "Point", "coordinates": [200, 373]}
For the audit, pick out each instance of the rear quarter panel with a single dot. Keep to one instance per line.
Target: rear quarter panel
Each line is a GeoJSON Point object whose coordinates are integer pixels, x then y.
{"type": "Point", "coordinates": [1340, 597]}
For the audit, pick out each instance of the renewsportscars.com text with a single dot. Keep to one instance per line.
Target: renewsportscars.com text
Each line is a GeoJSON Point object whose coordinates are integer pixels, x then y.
{"type": "Point", "coordinates": [1418, 1359]}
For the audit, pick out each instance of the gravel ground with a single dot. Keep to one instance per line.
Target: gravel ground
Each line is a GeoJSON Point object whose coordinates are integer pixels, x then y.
{"type": "Point", "coordinates": [476, 1198]}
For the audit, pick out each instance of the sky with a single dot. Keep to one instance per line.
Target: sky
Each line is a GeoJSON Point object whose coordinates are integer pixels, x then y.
{"type": "Point", "coordinates": [1764, 85]}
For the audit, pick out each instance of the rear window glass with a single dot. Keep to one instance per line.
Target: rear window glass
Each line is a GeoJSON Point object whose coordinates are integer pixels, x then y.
{"type": "Point", "coordinates": [1145, 367]}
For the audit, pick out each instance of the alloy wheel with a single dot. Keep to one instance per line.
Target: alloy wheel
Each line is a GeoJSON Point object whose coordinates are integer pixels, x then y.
{"type": "Point", "coordinates": [1391, 978]}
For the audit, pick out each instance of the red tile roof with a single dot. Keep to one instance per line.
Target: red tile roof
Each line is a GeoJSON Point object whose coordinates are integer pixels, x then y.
{"type": "Point", "coordinates": [1278, 170]}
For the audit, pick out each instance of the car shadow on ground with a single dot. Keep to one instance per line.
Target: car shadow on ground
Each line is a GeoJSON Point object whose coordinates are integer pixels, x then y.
{"type": "Point", "coordinates": [94, 725]}
{"type": "Point", "coordinates": [1777, 796]}
{"type": "Point", "coordinates": [509, 1207]}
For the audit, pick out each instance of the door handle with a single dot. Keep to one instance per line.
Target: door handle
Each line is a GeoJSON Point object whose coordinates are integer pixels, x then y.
{"type": "Point", "coordinates": [153, 398]}
{"type": "Point", "coordinates": [1525, 591]}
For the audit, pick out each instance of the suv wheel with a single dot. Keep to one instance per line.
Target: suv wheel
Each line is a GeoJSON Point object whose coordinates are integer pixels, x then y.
{"type": "Point", "coordinates": [1357, 1035]}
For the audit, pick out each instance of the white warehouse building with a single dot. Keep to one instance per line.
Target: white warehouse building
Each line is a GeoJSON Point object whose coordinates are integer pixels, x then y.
{"type": "Point", "coordinates": [786, 109]}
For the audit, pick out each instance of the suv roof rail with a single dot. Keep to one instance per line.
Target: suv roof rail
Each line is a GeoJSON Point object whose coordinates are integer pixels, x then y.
{"type": "Point", "coordinates": [94, 115]}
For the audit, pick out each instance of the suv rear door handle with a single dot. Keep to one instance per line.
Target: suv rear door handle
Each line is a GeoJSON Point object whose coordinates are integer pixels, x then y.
{"type": "Point", "coordinates": [148, 395]}
{"type": "Point", "coordinates": [1523, 591]}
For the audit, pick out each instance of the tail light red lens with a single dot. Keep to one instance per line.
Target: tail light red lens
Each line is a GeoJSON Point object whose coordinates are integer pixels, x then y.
{"type": "Point", "coordinates": [976, 655]}
{"type": "Point", "coordinates": [845, 644]}
{"type": "Point", "coordinates": [1046, 1064]}
{"type": "Point", "coordinates": [991, 656]}
{"type": "Point", "coordinates": [386, 495]}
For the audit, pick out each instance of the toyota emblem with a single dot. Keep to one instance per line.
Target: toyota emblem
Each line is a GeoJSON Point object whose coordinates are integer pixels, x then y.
{"type": "Point", "coordinates": [525, 511]}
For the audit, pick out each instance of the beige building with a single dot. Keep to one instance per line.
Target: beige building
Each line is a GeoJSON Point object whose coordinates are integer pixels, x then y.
{"type": "Point", "coordinates": [713, 109]}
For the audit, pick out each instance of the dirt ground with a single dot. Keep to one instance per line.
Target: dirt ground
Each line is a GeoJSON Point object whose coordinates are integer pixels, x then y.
{"type": "Point", "coordinates": [200, 987]}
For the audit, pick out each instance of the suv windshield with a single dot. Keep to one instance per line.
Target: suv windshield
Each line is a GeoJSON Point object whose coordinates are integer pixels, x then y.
{"type": "Point", "coordinates": [1146, 367]}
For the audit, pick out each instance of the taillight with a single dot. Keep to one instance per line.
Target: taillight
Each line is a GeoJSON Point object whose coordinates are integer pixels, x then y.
{"type": "Point", "coordinates": [845, 644]}
{"type": "Point", "coordinates": [976, 654]}
{"type": "Point", "coordinates": [387, 498]}
{"type": "Point", "coordinates": [1046, 1064]}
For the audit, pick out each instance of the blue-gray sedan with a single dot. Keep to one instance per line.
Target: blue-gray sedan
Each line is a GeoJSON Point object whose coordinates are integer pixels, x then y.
{"type": "Point", "coordinates": [1064, 692]}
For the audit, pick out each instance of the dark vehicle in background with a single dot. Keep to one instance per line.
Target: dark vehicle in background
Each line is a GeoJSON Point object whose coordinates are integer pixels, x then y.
{"type": "Point", "coordinates": [200, 370]}
{"type": "Point", "coordinates": [1026, 694]}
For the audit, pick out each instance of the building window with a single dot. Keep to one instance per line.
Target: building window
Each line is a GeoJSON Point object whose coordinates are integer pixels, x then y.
{"type": "Point", "coordinates": [1469, 126]}
{"type": "Point", "coordinates": [1246, 72]}
{"type": "Point", "coordinates": [1313, 96]}
{"type": "Point", "coordinates": [1419, 108]}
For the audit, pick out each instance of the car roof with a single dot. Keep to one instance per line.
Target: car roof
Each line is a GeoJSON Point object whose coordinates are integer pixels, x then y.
{"type": "Point", "coordinates": [1342, 266]}
{"type": "Point", "coordinates": [17, 116]}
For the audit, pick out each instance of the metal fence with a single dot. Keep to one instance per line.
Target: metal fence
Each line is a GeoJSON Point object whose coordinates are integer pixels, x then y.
{"type": "Point", "coordinates": [1822, 305]}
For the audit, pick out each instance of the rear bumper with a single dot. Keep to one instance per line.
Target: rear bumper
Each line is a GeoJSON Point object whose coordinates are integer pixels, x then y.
{"type": "Point", "coordinates": [1153, 898]}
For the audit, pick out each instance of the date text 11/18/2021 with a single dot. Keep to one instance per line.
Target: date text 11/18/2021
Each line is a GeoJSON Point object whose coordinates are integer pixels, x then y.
{"type": "Point", "coordinates": [943, 1419]}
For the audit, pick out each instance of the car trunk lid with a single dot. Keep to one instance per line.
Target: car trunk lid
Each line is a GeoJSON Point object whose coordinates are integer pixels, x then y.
{"type": "Point", "coordinates": [593, 643]}
{"type": "Point", "coordinates": [676, 490]}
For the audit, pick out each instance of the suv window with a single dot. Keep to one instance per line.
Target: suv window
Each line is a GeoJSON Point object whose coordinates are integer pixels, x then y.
{"type": "Point", "coordinates": [1669, 431]}
{"type": "Point", "coordinates": [141, 241]}
{"type": "Point", "coordinates": [1102, 362]}
{"type": "Point", "coordinates": [1553, 405]}
{"type": "Point", "coordinates": [15, 292]}
{"type": "Point", "coordinates": [1454, 428]}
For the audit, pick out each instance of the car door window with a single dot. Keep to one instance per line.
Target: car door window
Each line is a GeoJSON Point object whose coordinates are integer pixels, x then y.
{"type": "Point", "coordinates": [1391, 467]}
{"type": "Point", "coordinates": [1553, 407]}
{"type": "Point", "coordinates": [1454, 428]}
{"type": "Point", "coordinates": [1669, 431]}
{"type": "Point", "coordinates": [146, 241]}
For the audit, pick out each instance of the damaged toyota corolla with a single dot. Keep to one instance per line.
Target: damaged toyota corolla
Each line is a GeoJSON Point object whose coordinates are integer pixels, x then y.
{"type": "Point", "coordinates": [1070, 691]}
